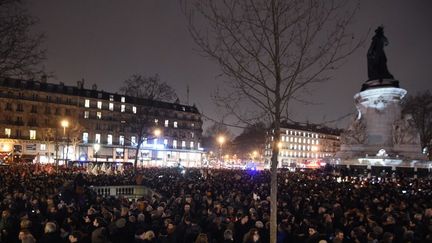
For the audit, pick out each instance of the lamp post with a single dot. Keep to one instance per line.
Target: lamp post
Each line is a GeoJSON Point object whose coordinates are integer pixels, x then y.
{"type": "Point", "coordinates": [156, 134]}
{"type": "Point", "coordinates": [96, 148]}
{"type": "Point", "coordinates": [221, 141]}
{"type": "Point", "coordinates": [65, 124]}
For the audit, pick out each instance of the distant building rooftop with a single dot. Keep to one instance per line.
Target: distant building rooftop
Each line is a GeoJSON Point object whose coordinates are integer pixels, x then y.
{"type": "Point", "coordinates": [61, 88]}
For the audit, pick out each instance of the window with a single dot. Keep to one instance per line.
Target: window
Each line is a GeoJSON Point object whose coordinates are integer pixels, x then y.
{"type": "Point", "coordinates": [134, 109]}
{"type": "Point", "coordinates": [34, 109]}
{"type": "Point", "coordinates": [32, 134]}
{"type": "Point", "coordinates": [43, 147]}
{"type": "Point", "coordinates": [86, 114]}
{"type": "Point", "coordinates": [8, 132]}
{"type": "Point", "coordinates": [85, 137]}
{"type": "Point", "coordinates": [97, 138]}
{"type": "Point", "coordinates": [99, 115]}
{"type": "Point", "coordinates": [165, 142]}
{"type": "Point", "coordinates": [87, 103]}
{"type": "Point", "coordinates": [133, 141]}
{"type": "Point", "coordinates": [183, 144]}
{"type": "Point", "coordinates": [174, 143]}
{"type": "Point", "coordinates": [193, 125]}
{"type": "Point", "coordinates": [156, 121]}
{"type": "Point", "coordinates": [166, 123]}
{"type": "Point", "coordinates": [192, 134]}
{"type": "Point", "coordinates": [99, 104]}
{"type": "Point", "coordinates": [123, 99]}
{"type": "Point", "coordinates": [111, 106]}
{"type": "Point", "coordinates": [109, 139]}
{"type": "Point", "coordinates": [8, 106]}
{"type": "Point", "coordinates": [121, 140]}
{"type": "Point", "coordinates": [191, 145]}
{"type": "Point", "coordinates": [122, 108]}
{"type": "Point", "coordinates": [111, 97]}
{"type": "Point", "coordinates": [175, 124]}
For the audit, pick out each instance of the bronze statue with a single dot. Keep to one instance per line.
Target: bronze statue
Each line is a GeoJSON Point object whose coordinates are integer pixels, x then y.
{"type": "Point", "coordinates": [377, 61]}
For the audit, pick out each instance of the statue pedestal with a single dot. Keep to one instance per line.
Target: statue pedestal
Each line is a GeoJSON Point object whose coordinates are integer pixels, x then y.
{"type": "Point", "coordinates": [380, 128]}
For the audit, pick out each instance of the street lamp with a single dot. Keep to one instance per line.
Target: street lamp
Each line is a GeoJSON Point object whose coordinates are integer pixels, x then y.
{"type": "Point", "coordinates": [96, 148]}
{"type": "Point", "coordinates": [157, 132]}
{"type": "Point", "coordinates": [254, 154]}
{"type": "Point", "coordinates": [221, 141]}
{"type": "Point", "coordinates": [65, 124]}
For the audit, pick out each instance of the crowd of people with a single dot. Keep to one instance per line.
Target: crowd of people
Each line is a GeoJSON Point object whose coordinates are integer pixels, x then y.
{"type": "Point", "coordinates": [200, 205]}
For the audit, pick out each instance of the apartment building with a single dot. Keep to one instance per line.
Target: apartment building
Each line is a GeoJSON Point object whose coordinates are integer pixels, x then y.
{"type": "Point", "coordinates": [301, 144]}
{"type": "Point", "coordinates": [54, 122]}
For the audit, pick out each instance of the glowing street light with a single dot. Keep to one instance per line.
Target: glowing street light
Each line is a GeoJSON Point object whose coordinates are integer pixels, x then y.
{"type": "Point", "coordinates": [157, 132]}
{"type": "Point", "coordinates": [221, 141]}
{"type": "Point", "coordinates": [64, 124]}
{"type": "Point", "coordinates": [96, 148]}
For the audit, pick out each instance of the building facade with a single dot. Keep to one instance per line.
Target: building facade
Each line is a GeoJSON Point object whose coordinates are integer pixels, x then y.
{"type": "Point", "coordinates": [55, 122]}
{"type": "Point", "coordinates": [303, 145]}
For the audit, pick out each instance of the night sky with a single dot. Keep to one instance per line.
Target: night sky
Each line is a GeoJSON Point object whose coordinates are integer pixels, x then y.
{"type": "Point", "coordinates": [105, 41]}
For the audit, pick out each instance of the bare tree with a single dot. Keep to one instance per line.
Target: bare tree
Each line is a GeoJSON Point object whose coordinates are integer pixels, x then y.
{"type": "Point", "coordinates": [420, 107]}
{"type": "Point", "coordinates": [270, 51]}
{"type": "Point", "coordinates": [20, 51]}
{"type": "Point", "coordinates": [148, 88]}
{"type": "Point", "coordinates": [148, 91]}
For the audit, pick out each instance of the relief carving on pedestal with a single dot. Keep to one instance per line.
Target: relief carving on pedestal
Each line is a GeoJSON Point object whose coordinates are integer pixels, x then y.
{"type": "Point", "coordinates": [355, 134]}
{"type": "Point", "coordinates": [405, 131]}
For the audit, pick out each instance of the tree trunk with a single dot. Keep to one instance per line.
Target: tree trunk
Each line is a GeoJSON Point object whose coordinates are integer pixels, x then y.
{"type": "Point", "coordinates": [136, 158]}
{"type": "Point", "coordinates": [273, 183]}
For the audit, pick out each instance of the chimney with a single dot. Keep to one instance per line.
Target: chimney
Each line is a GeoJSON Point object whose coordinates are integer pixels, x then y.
{"type": "Point", "coordinates": [44, 78]}
{"type": "Point", "coordinates": [80, 84]}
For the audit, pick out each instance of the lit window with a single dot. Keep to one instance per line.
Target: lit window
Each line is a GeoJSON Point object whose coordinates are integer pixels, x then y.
{"type": "Point", "coordinates": [133, 141]}
{"type": "Point", "coordinates": [295, 140]}
{"type": "Point", "coordinates": [99, 104]}
{"type": "Point", "coordinates": [109, 139]}
{"type": "Point", "coordinates": [134, 109]}
{"type": "Point", "coordinates": [193, 125]}
{"type": "Point", "coordinates": [97, 138]}
{"type": "Point", "coordinates": [175, 124]}
{"type": "Point", "coordinates": [156, 121]}
{"type": "Point", "coordinates": [191, 145]}
{"type": "Point", "coordinates": [87, 103]}
{"type": "Point", "coordinates": [199, 145]}
{"type": "Point", "coordinates": [155, 141]}
{"type": "Point", "coordinates": [86, 114]}
{"type": "Point", "coordinates": [8, 132]}
{"type": "Point", "coordinates": [174, 143]}
{"type": "Point", "coordinates": [192, 135]}
{"type": "Point", "coordinates": [183, 144]}
{"type": "Point", "coordinates": [111, 97]}
{"type": "Point", "coordinates": [283, 138]}
{"type": "Point", "coordinates": [111, 106]}
{"type": "Point", "coordinates": [32, 134]}
{"type": "Point", "coordinates": [165, 142]}
{"type": "Point", "coordinates": [99, 115]}
{"type": "Point", "coordinates": [85, 137]}
{"type": "Point", "coordinates": [166, 123]}
{"type": "Point", "coordinates": [291, 139]}
{"type": "Point", "coordinates": [43, 147]}
{"type": "Point", "coordinates": [122, 108]}
{"type": "Point", "coordinates": [123, 99]}
{"type": "Point", "coordinates": [121, 140]}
